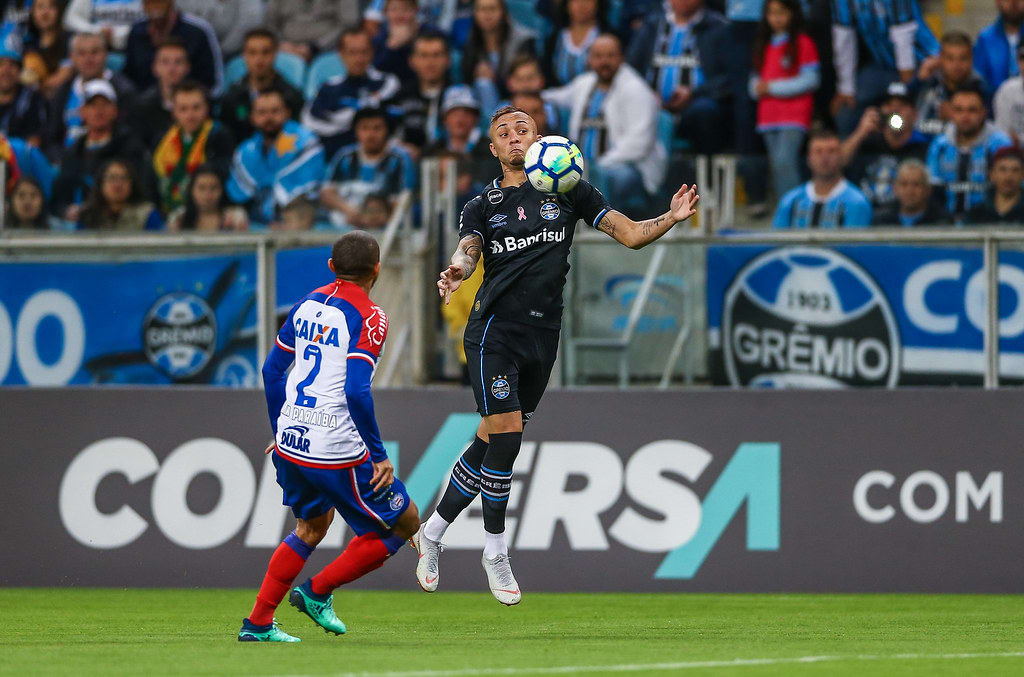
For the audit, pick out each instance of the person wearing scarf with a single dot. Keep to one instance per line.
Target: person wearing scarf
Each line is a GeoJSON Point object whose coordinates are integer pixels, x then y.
{"type": "Point", "coordinates": [193, 140]}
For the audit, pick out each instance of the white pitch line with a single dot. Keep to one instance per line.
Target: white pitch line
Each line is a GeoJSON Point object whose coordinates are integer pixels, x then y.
{"type": "Point", "coordinates": [684, 665]}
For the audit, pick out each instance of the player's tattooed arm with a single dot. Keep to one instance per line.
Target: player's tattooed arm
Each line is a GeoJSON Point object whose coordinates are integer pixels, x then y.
{"type": "Point", "coordinates": [637, 234]}
{"type": "Point", "coordinates": [464, 262]}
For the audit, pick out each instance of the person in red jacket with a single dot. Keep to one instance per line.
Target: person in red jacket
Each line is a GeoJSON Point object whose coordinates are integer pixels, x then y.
{"type": "Point", "coordinates": [786, 76]}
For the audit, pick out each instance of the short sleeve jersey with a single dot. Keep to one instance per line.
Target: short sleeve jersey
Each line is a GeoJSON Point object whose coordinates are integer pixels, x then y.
{"type": "Point", "coordinates": [326, 329]}
{"type": "Point", "coordinates": [526, 236]}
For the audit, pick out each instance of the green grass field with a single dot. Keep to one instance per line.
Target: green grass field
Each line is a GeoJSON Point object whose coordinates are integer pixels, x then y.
{"type": "Point", "coordinates": [406, 634]}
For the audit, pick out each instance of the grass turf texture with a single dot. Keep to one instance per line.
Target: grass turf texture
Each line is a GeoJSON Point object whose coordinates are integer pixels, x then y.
{"type": "Point", "coordinates": [192, 632]}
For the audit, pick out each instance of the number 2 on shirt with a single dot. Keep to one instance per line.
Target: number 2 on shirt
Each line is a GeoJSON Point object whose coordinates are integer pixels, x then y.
{"type": "Point", "coordinates": [302, 399]}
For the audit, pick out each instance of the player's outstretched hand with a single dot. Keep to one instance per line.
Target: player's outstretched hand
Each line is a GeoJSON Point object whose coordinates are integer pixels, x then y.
{"type": "Point", "coordinates": [383, 475]}
{"type": "Point", "coordinates": [684, 203]}
{"type": "Point", "coordinates": [449, 282]}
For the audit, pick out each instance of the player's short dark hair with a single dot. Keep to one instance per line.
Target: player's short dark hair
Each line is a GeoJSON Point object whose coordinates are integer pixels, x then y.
{"type": "Point", "coordinates": [274, 91]}
{"type": "Point", "coordinates": [505, 110]}
{"type": "Point", "coordinates": [260, 32]}
{"type": "Point", "coordinates": [820, 133]}
{"type": "Point", "coordinates": [350, 32]}
{"type": "Point", "coordinates": [430, 35]}
{"type": "Point", "coordinates": [520, 60]}
{"type": "Point", "coordinates": [189, 86]}
{"type": "Point", "coordinates": [971, 88]}
{"type": "Point", "coordinates": [355, 254]}
{"type": "Point", "coordinates": [371, 113]}
{"type": "Point", "coordinates": [956, 39]}
{"type": "Point", "coordinates": [172, 42]}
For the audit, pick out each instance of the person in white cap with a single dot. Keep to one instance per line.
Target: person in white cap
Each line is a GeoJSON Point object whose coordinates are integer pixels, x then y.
{"type": "Point", "coordinates": [461, 133]}
{"type": "Point", "coordinates": [103, 140]}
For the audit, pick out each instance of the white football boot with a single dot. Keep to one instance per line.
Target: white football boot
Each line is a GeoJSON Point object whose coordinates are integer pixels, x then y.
{"type": "Point", "coordinates": [427, 572]}
{"type": "Point", "coordinates": [501, 581]}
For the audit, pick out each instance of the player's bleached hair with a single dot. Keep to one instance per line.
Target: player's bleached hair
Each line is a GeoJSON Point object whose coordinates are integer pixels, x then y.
{"type": "Point", "coordinates": [506, 110]}
{"type": "Point", "coordinates": [81, 38]}
{"type": "Point", "coordinates": [354, 255]}
{"type": "Point", "coordinates": [913, 165]}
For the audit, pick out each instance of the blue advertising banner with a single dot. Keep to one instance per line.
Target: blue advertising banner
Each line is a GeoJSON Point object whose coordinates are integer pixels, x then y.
{"type": "Point", "coordinates": [863, 315]}
{"type": "Point", "coordinates": [152, 321]}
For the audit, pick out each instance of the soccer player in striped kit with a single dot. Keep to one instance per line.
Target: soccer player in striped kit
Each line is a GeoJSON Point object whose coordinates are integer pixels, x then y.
{"type": "Point", "coordinates": [327, 447]}
{"type": "Point", "coordinates": [511, 338]}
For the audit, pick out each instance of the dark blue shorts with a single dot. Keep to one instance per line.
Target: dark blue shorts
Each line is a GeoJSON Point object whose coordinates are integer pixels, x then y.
{"type": "Point", "coordinates": [311, 492]}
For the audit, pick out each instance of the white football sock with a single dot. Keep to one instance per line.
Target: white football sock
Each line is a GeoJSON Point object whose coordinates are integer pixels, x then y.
{"type": "Point", "coordinates": [435, 527]}
{"type": "Point", "coordinates": [495, 545]}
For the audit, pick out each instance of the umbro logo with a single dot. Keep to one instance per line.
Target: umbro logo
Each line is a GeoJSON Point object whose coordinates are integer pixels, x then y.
{"type": "Point", "coordinates": [497, 217]}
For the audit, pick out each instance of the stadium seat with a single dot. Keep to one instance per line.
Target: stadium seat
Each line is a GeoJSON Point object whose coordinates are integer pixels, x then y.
{"type": "Point", "coordinates": [292, 68]}
{"type": "Point", "coordinates": [666, 133]}
{"type": "Point", "coordinates": [115, 61]}
{"type": "Point", "coordinates": [524, 13]}
{"type": "Point", "coordinates": [323, 67]}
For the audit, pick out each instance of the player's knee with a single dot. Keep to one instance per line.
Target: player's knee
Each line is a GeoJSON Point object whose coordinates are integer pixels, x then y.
{"type": "Point", "coordinates": [509, 422]}
{"type": "Point", "coordinates": [408, 522]}
{"type": "Point", "coordinates": [313, 531]}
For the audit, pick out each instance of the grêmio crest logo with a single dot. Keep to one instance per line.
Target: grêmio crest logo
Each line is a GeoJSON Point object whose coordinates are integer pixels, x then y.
{"type": "Point", "coordinates": [642, 501]}
{"type": "Point", "coordinates": [807, 317]}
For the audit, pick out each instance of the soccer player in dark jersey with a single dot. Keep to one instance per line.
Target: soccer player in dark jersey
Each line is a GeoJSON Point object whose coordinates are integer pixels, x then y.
{"type": "Point", "coordinates": [511, 338]}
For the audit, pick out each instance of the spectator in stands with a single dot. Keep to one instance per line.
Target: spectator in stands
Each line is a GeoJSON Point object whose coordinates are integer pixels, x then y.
{"type": "Point", "coordinates": [230, 19]}
{"type": "Point", "coordinates": [462, 134]}
{"type": "Point", "coordinates": [940, 76]}
{"type": "Point", "coordinates": [330, 113]}
{"type": "Point", "coordinates": [153, 108]}
{"type": "Point", "coordinates": [163, 20]}
{"type": "Point", "coordinates": [296, 215]}
{"type": "Point", "coordinates": [307, 27]}
{"type": "Point", "coordinates": [89, 58]}
{"type": "Point", "coordinates": [884, 138]}
{"type": "Point", "coordinates": [103, 140]}
{"type": "Point", "coordinates": [371, 165]}
{"type": "Point", "coordinates": [1003, 202]}
{"type": "Point", "coordinates": [31, 163]}
{"type": "Point", "coordinates": [376, 211]}
{"type": "Point", "coordinates": [393, 45]}
{"type": "Point", "coordinates": [462, 137]}
{"type": "Point", "coordinates": [117, 201]}
{"type": "Point", "coordinates": [533, 105]}
{"type": "Point", "coordinates": [1008, 105]}
{"type": "Point", "coordinates": [14, 13]}
{"type": "Point", "coordinates": [525, 75]}
{"type": "Point", "coordinates": [913, 203]}
{"type": "Point", "coordinates": [47, 47]}
{"type": "Point", "coordinates": [452, 17]}
{"type": "Point", "coordinates": [283, 162]}
{"type": "Point", "coordinates": [998, 44]}
{"type": "Point", "coordinates": [577, 25]}
{"type": "Point", "coordinates": [23, 110]}
{"type": "Point", "coordinates": [786, 63]}
{"type": "Point", "coordinates": [827, 200]}
{"type": "Point", "coordinates": [896, 38]}
{"type": "Point", "coordinates": [259, 49]}
{"type": "Point", "coordinates": [680, 53]}
{"type": "Point", "coordinates": [614, 119]}
{"type": "Point", "coordinates": [207, 208]}
{"type": "Point", "coordinates": [111, 19]}
{"type": "Point", "coordinates": [494, 40]}
{"type": "Point", "coordinates": [958, 159]}
{"type": "Point", "coordinates": [193, 141]}
{"type": "Point", "coordinates": [27, 207]}
{"type": "Point", "coordinates": [420, 100]}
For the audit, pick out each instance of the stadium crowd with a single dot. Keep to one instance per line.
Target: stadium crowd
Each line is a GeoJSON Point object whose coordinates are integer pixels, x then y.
{"type": "Point", "coordinates": [215, 115]}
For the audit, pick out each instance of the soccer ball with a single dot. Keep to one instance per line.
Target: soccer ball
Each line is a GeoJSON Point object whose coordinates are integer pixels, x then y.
{"type": "Point", "coordinates": [554, 164]}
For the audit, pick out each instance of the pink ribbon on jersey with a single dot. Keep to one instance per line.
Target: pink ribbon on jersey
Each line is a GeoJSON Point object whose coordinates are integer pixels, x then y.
{"type": "Point", "coordinates": [522, 214]}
